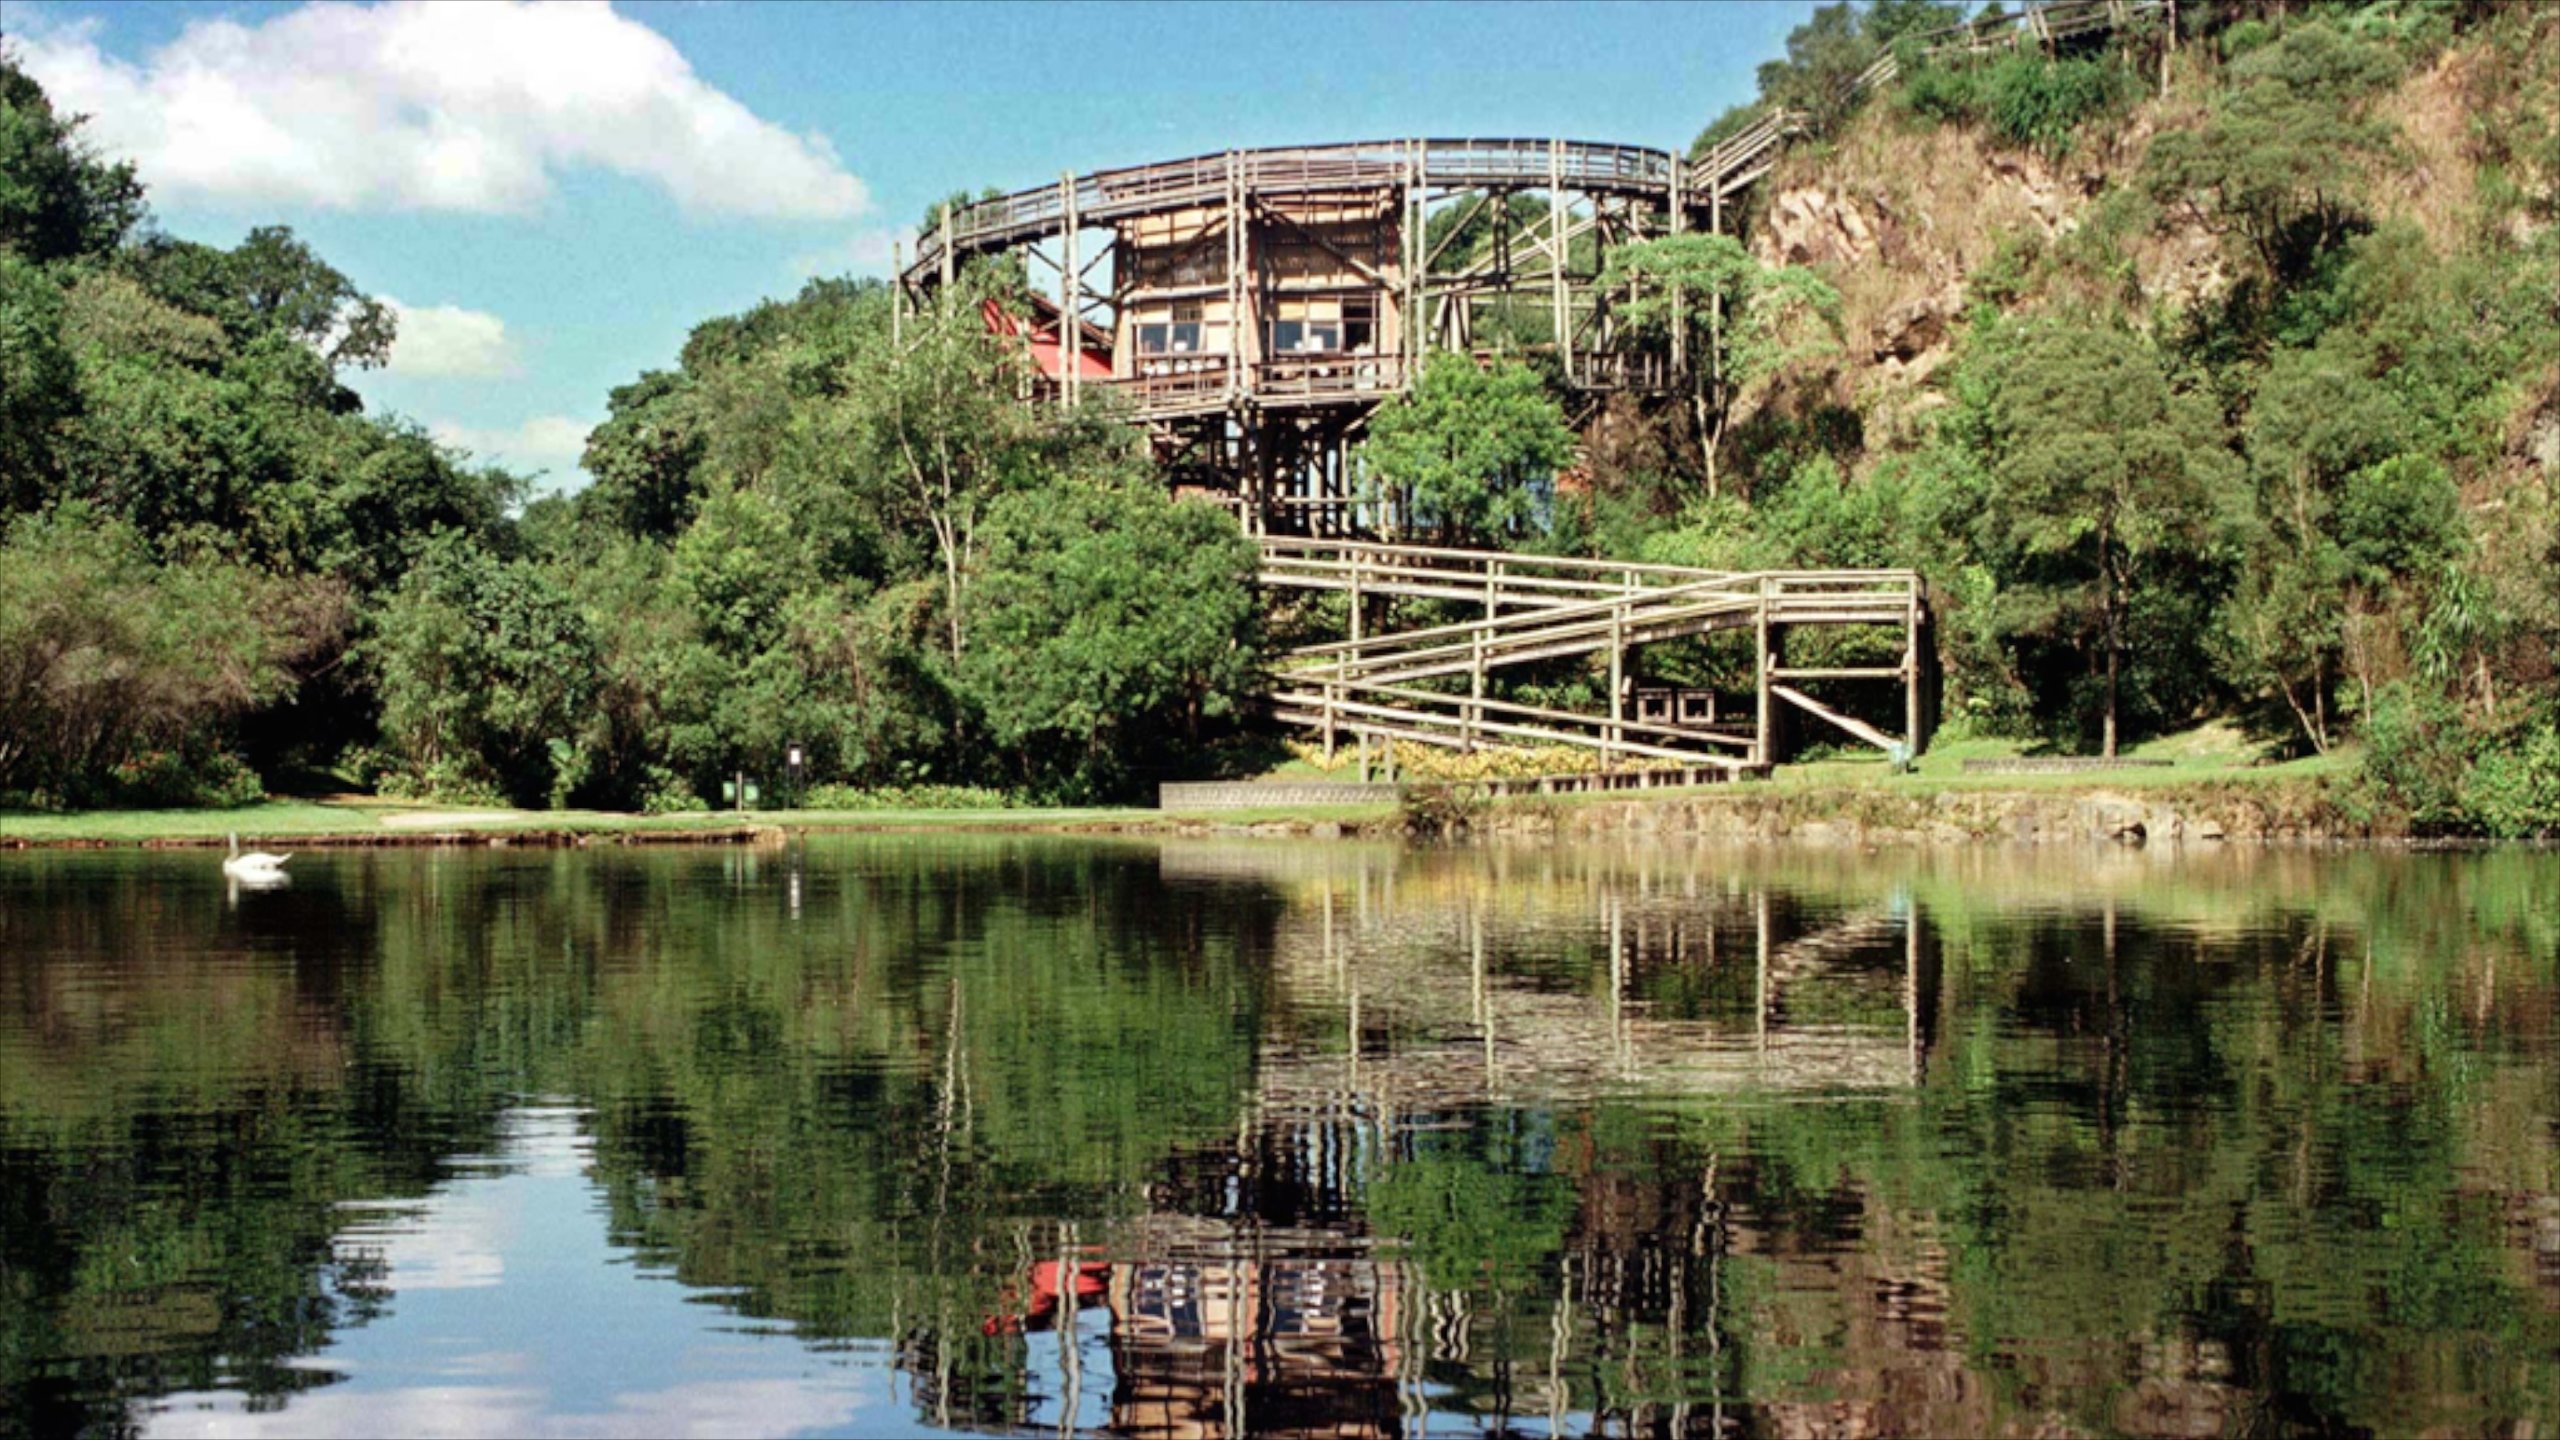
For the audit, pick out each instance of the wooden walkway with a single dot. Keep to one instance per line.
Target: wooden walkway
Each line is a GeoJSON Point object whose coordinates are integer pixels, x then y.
{"type": "Point", "coordinates": [1393, 686]}
{"type": "Point", "coordinates": [1699, 187]}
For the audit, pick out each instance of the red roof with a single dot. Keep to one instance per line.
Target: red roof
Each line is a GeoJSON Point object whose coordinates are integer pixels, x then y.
{"type": "Point", "coordinates": [1093, 356]}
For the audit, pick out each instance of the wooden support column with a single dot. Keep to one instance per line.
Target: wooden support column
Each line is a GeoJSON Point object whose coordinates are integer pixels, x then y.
{"type": "Point", "coordinates": [1617, 686]}
{"type": "Point", "coordinates": [1475, 695]}
{"type": "Point", "coordinates": [1070, 301]}
{"type": "Point", "coordinates": [1411, 326]}
{"type": "Point", "coordinates": [1679, 223]}
{"type": "Point", "coordinates": [1237, 319]}
{"type": "Point", "coordinates": [1763, 746]}
{"type": "Point", "coordinates": [897, 292]}
{"type": "Point", "coordinates": [1556, 244]}
{"type": "Point", "coordinates": [1911, 675]}
{"type": "Point", "coordinates": [946, 244]}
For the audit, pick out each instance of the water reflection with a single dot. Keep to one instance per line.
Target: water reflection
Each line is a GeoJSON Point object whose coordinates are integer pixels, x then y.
{"type": "Point", "coordinates": [1020, 1136]}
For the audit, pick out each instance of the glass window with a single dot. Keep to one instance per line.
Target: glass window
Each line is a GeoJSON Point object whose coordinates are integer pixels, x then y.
{"type": "Point", "coordinates": [1285, 335]}
{"type": "Point", "coordinates": [1359, 324]}
{"type": "Point", "coordinates": [1153, 339]}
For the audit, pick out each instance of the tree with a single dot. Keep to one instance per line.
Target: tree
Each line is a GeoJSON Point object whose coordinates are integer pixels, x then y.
{"type": "Point", "coordinates": [1825, 56]}
{"type": "Point", "coordinates": [1751, 324]}
{"type": "Point", "coordinates": [482, 664]}
{"type": "Point", "coordinates": [2101, 470]}
{"type": "Point", "coordinates": [39, 384]}
{"type": "Point", "coordinates": [940, 432]}
{"type": "Point", "coordinates": [270, 284]}
{"type": "Point", "coordinates": [1105, 615]}
{"type": "Point", "coordinates": [57, 200]}
{"type": "Point", "coordinates": [108, 660]}
{"type": "Point", "coordinates": [2281, 164]}
{"type": "Point", "coordinates": [1464, 450]}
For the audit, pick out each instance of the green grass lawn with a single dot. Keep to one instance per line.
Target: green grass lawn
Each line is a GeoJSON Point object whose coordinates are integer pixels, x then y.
{"type": "Point", "coordinates": [289, 818]}
{"type": "Point", "coordinates": [2211, 752]}
{"type": "Point", "coordinates": [2207, 754]}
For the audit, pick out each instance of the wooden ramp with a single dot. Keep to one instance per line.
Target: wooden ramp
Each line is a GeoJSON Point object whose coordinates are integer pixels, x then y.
{"type": "Point", "coordinates": [1396, 685]}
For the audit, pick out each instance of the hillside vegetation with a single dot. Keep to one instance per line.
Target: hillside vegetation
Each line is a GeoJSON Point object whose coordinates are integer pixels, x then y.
{"type": "Point", "coordinates": [2215, 378]}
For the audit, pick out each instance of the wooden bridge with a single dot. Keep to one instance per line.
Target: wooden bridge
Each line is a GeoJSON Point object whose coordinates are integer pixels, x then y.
{"type": "Point", "coordinates": [1398, 685]}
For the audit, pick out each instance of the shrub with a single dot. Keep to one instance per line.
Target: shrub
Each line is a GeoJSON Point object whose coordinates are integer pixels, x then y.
{"type": "Point", "coordinates": [171, 779]}
{"type": "Point", "coordinates": [906, 797]}
{"type": "Point", "coordinates": [1432, 810]}
{"type": "Point", "coordinates": [2244, 37]}
{"type": "Point", "coordinates": [2039, 104]}
{"type": "Point", "coordinates": [2513, 789]}
{"type": "Point", "coordinates": [1944, 94]}
{"type": "Point", "coordinates": [664, 792]}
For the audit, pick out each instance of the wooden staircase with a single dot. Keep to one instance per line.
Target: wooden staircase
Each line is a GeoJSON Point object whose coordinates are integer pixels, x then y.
{"type": "Point", "coordinates": [1538, 608]}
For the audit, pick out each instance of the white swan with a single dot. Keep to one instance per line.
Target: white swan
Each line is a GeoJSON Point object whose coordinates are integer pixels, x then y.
{"type": "Point", "coordinates": [256, 865]}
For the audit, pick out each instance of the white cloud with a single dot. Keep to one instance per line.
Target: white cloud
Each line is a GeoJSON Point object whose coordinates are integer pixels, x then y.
{"type": "Point", "coordinates": [449, 342]}
{"type": "Point", "coordinates": [420, 106]}
{"type": "Point", "coordinates": [867, 251]}
{"type": "Point", "coordinates": [546, 444]}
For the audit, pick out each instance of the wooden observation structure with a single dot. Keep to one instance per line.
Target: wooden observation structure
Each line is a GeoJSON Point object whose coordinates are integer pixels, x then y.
{"type": "Point", "coordinates": [1252, 308]}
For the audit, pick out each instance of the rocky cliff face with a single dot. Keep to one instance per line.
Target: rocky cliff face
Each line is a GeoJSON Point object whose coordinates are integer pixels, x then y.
{"type": "Point", "coordinates": [1909, 219]}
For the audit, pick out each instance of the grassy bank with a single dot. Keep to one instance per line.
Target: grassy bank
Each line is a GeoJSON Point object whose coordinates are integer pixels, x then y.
{"type": "Point", "coordinates": [386, 822]}
{"type": "Point", "coordinates": [2210, 772]}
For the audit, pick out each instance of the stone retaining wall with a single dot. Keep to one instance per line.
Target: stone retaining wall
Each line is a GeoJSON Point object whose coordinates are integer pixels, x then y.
{"type": "Point", "coordinates": [1248, 795]}
{"type": "Point", "coordinates": [2056, 765]}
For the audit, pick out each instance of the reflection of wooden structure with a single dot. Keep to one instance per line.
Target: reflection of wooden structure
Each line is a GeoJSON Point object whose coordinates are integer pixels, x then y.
{"type": "Point", "coordinates": [1469, 1033]}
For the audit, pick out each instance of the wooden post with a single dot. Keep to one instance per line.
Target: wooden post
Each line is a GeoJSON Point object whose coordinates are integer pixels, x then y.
{"type": "Point", "coordinates": [1911, 674]}
{"type": "Point", "coordinates": [1556, 244]}
{"type": "Point", "coordinates": [1679, 223]}
{"type": "Point", "coordinates": [946, 244]}
{"type": "Point", "coordinates": [1070, 303]}
{"type": "Point", "coordinates": [1356, 607]}
{"type": "Point", "coordinates": [897, 292]}
{"type": "Point", "coordinates": [1763, 748]}
{"type": "Point", "coordinates": [1617, 685]}
{"type": "Point", "coordinates": [1475, 696]}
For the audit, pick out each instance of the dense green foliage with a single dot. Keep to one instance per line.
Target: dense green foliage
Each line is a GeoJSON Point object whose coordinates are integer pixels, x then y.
{"type": "Point", "coordinates": [221, 558]}
{"type": "Point", "coordinates": [1468, 452]}
{"type": "Point", "coordinates": [2316, 490]}
{"type": "Point", "coordinates": [200, 517]}
{"type": "Point", "coordinates": [802, 537]}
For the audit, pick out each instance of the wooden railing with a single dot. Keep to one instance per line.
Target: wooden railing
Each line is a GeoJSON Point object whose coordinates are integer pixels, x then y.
{"type": "Point", "coordinates": [1106, 196]}
{"type": "Point", "coordinates": [1109, 195]}
{"type": "Point", "coordinates": [1538, 608]}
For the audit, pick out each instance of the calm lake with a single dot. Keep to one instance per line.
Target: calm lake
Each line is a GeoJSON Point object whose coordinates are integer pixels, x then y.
{"type": "Point", "coordinates": [898, 1135]}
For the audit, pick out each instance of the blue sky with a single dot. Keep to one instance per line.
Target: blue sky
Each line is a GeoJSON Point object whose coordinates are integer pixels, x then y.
{"type": "Point", "coordinates": [556, 194]}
